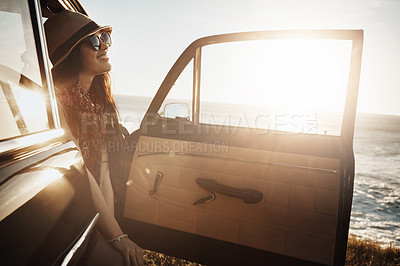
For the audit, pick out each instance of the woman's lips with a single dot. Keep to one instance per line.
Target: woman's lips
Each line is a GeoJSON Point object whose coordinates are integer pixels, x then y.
{"type": "Point", "coordinates": [103, 57]}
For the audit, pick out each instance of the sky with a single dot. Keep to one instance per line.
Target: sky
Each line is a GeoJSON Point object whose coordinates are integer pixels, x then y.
{"type": "Point", "coordinates": [148, 37]}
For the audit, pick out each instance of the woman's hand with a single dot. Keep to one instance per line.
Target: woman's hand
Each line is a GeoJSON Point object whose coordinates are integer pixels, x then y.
{"type": "Point", "coordinates": [132, 253]}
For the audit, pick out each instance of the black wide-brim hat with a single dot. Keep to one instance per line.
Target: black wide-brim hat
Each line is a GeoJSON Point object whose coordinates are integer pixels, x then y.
{"type": "Point", "coordinates": [65, 30]}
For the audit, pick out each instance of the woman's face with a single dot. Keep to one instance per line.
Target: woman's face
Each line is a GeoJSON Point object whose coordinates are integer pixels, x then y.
{"type": "Point", "coordinates": [94, 62]}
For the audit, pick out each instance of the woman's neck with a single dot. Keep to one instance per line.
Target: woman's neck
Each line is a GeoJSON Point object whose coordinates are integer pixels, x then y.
{"type": "Point", "coordinates": [85, 81]}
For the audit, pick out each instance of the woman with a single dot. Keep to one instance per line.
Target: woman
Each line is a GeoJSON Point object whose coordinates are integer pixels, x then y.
{"type": "Point", "coordinates": [78, 50]}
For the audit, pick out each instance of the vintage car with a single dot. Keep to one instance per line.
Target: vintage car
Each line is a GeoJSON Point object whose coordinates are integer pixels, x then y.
{"type": "Point", "coordinates": [219, 184]}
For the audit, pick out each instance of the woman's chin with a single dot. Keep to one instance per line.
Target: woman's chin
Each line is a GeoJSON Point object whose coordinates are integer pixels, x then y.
{"type": "Point", "coordinates": [106, 67]}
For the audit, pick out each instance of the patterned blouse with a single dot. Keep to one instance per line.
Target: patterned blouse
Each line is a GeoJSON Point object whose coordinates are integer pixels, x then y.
{"type": "Point", "coordinates": [88, 122]}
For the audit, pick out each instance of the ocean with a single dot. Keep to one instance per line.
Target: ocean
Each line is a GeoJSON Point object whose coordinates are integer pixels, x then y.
{"type": "Point", "coordinates": [376, 201]}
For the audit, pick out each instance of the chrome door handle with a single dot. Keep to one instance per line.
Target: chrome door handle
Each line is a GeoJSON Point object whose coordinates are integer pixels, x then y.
{"type": "Point", "coordinates": [157, 183]}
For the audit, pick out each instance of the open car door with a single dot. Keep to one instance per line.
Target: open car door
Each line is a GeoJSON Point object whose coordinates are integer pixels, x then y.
{"type": "Point", "coordinates": [245, 155]}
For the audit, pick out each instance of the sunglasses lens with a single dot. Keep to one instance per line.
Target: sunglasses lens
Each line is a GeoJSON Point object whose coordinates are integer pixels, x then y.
{"type": "Point", "coordinates": [106, 38]}
{"type": "Point", "coordinates": [95, 42]}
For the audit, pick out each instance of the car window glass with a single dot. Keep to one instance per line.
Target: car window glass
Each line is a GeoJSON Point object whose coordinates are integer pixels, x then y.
{"type": "Point", "coordinates": [23, 99]}
{"type": "Point", "coordinates": [178, 102]}
{"type": "Point", "coordinates": [276, 85]}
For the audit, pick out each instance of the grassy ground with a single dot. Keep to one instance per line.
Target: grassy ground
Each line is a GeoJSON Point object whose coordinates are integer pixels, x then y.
{"type": "Point", "coordinates": [359, 252]}
{"type": "Point", "coordinates": [367, 252]}
{"type": "Point", "coordinates": [154, 258]}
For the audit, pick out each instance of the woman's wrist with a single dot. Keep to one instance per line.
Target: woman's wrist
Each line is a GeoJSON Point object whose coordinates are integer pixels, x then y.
{"type": "Point", "coordinates": [118, 238]}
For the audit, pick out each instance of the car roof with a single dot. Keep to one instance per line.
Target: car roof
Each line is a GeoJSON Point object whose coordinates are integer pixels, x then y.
{"type": "Point", "coordinates": [51, 7]}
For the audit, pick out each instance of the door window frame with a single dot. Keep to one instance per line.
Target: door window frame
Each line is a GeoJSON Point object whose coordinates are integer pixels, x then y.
{"type": "Point", "coordinates": [194, 50]}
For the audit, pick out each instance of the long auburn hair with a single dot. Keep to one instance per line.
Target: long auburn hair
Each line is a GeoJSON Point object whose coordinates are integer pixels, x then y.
{"type": "Point", "coordinates": [65, 77]}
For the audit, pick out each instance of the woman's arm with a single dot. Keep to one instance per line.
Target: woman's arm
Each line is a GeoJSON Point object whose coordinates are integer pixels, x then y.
{"type": "Point", "coordinates": [110, 229]}
{"type": "Point", "coordinates": [108, 225]}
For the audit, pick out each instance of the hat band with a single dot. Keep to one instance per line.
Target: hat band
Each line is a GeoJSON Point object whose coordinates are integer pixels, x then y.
{"type": "Point", "coordinates": [63, 48]}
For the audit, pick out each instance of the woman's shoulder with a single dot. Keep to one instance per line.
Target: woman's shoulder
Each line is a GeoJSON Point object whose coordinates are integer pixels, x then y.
{"type": "Point", "coordinates": [64, 96]}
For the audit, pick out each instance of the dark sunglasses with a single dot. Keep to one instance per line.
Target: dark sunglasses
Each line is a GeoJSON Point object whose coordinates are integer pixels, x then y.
{"type": "Point", "coordinates": [95, 40]}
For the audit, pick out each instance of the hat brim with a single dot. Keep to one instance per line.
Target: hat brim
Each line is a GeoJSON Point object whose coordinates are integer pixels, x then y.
{"type": "Point", "coordinates": [103, 28]}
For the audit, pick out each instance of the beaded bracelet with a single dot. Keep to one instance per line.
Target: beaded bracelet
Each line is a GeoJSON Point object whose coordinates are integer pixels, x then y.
{"type": "Point", "coordinates": [118, 238]}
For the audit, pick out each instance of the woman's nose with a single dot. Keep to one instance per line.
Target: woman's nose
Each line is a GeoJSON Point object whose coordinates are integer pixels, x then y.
{"type": "Point", "coordinates": [103, 45]}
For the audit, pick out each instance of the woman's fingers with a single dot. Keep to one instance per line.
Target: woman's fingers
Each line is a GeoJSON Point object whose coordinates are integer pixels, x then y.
{"type": "Point", "coordinates": [134, 260]}
{"type": "Point", "coordinates": [137, 257]}
{"type": "Point", "coordinates": [127, 259]}
{"type": "Point", "coordinates": [130, 251]}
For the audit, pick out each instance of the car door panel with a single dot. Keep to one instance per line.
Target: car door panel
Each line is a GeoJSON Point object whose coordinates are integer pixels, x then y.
{"type": "Point", "coordinates": [305, 179]}
{"type": "Point", "coordinates": [299, 206]}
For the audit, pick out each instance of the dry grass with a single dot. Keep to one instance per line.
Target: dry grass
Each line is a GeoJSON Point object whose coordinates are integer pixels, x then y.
{"type": "Point", "coordinates": [154, 258]}
{"type": "Point", "coordinates": [367, 252]}
{"type": "Point", "coordinates": [359, 252]}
